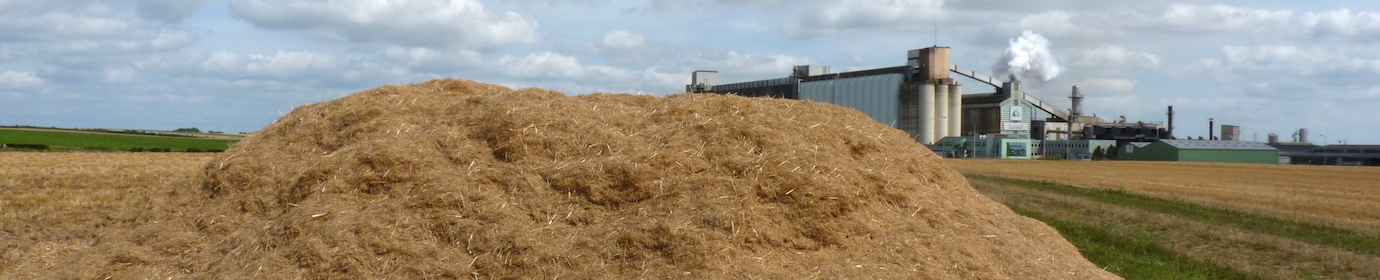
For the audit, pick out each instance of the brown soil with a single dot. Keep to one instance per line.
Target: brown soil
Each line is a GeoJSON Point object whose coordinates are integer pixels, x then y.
{"type": "Point", "coordinates": [457, 179]}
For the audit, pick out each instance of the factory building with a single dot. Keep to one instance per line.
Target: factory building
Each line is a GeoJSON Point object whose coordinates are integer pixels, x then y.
{"type": "Point", "coordinates": [1288, 150]}
{"type": "Point", "coordinates": [1205, 151]}
{"type": "Point", "coordinates": [1230, 133]}
{"type": "Point", "coordinates": [1075, 149]}
{"type": "Point", "coordinates": [923, 99]}
{"type": "Point", "coordinates": [982, 146]}
{"type": "Point", "coordinates": [1355, 155]}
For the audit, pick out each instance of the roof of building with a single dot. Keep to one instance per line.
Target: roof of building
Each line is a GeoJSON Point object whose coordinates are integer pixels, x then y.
{"type": "Point", "coordinates": [984, 98]}
{"type": "Point", "coordinates": [1218, 145]}
{"type": "Point", "coordinates": [859, 73]}
{"type": "Point", "coordinates": [1127, 125]}
{"type": "Point", "coordinates": [1337, 155]}
{"type": "Point", "coordinates": [1352, 147]}
{"type": "Point", "coordinates": [1293, 148]}
{"type": "Point", "coordinates": [1140, 144]}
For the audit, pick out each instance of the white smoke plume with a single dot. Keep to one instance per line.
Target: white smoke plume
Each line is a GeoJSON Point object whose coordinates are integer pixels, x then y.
{"type": "Point", "coordinates": [1028, 58]}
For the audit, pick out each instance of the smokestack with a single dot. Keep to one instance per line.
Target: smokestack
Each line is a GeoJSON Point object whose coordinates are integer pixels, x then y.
{"type": "Point", "coordinates": [1303, 135]}
{"type": "Point", "coordinates": [1210, 130]}
{"type": "Point", "coordinates": [1171, 122]}
{"type": "Point", "coordinates": [1077, 98]}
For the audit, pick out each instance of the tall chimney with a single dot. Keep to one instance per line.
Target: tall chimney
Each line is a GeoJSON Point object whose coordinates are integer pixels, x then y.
{"type": "Point", "coordinates": [1171, 122]}
{"type": "Point", "coordinates": [1210, 130]}
{"type": "Point", "coordinates": [1077, 98]}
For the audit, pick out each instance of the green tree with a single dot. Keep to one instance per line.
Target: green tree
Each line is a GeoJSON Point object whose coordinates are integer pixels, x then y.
{"type": "Point", "coordinates": [1113, 152]}
{"type": "Point", "coordinates": [1099, 154]}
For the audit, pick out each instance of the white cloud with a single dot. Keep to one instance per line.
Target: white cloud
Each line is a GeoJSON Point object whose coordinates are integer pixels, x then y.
{"type": "Point", "coordinates": [541, 65]}
{"type": "Point", "coordinates": [1103, 87]}
{"type": "Point", "coordinates": [1116, 56]}
{"type": "Point", "coordinates": [121, 75]}
{"type": "Point", "coordinates": [414, 23]}
{"type": "Point", "coordinates": [1364, 26]}
{"type": "Point", "coordinates": [775, 66]}
{"type": "Point", "coordinates": [434, 60]}
{"type": "Point", "coordinates": [624, 48]}
{"type": "Point", "coordinates": [622, 40]}
{"type": "Point", "coordinates": [1058, 22]}
{"type": "Point", "coordinates": [281, 65]}
{"type": "Point", "coordinates": [842, 16]}
{"type": "Point", "coordinates": [171, 11]}
{"type": "Point", "coordinates": [1294, 72]}
{"type": "Point", "coordinates": [19, 79]}
{"type": "Point", "coordinates": [82, 27]}
{"type": "Point", "coordinates": [163, 98]}
{"type": "Point", "coordinates": [1224, 19]}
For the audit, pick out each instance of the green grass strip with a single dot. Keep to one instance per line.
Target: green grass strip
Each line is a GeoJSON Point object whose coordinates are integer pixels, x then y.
{"type": "Point", "coordinates": [96, 141]}
{"type": "Point", "coordinates": [1132, 257]}
{"type": "Point", "coordinates": [1312, 233]}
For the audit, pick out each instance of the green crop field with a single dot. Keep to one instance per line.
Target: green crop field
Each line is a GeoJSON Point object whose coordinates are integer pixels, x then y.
{"type": "Point", "coordinates": [58, 140]}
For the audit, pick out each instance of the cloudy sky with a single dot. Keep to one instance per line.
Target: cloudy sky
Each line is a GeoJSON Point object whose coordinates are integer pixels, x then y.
{"type": "Point", "coordinates": [236, 65]}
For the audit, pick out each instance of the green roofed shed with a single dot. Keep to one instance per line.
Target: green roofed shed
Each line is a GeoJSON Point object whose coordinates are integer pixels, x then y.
{"type": "Point", "coordinates": [1206, 151]}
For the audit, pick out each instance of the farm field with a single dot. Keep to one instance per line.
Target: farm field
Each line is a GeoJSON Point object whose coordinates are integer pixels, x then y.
{"type": "Point", "coordinates": [52, 203]}
{"type": "Point", "coordinates": [1345, 194]}
{"type": "Point", "coordinates": [77, 140]}
{"type": "Point", "coordinates": [1205, 220]}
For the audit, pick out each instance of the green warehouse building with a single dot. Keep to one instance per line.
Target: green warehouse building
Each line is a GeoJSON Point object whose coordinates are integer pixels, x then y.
{"type": "Point", "coordinates": [1203, 150]}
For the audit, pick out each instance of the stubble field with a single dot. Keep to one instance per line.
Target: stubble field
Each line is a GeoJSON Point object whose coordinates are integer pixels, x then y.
{"type": "Point", "coordinates": [54, 203]}
{"type": "Point", "coordinates": [1349, 194]}
{"type": "Point", "coordinates": [1163, 220]}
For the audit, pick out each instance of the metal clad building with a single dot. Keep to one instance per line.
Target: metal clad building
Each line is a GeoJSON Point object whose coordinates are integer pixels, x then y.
{"type": "Point", "coordinates": [920, 98]}
{"type": "Point", "coordinates": [1206, 151]}
{"type": "Point", "coordinates": [873, 95]}
{"type": "Point", "coordinates": [778, 88]}
{"type": "Point", "coordinates": [1016, 114]}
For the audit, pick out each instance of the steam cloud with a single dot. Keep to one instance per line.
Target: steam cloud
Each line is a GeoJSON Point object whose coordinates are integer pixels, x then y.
{"type": "Point", "coordinates": [1028, 58]}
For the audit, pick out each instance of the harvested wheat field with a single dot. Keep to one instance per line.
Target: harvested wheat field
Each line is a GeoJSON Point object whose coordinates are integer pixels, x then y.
{"type": "Point", "coordinates": [1340, 193]}
{"type": "Point", "coordinates": [458, 179]}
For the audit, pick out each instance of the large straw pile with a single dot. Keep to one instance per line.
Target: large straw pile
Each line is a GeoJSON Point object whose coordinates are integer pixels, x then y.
{"type": "Point", "coordinates": [458, 179]}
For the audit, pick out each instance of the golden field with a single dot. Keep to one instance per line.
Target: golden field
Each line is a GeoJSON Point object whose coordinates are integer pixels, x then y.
{"type": "Point", "coordinates": [1243, 221]}
{"type": "Point", "coordinates": [53, 204]}
{"type": "Point", "coordinates": [1340, 193]}
{"type": "Point", "coordinates": [37, 187]}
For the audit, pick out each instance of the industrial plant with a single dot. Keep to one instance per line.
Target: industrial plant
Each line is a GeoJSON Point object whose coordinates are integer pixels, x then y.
{"type": "Point", "coordinates": [924, 99]}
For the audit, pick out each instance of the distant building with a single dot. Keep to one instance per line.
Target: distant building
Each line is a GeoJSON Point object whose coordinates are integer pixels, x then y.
{"type": "Point", "coordinates": [1359, 155]}
{"type": "Point", "coordinates": [1075, 149]}
{"type": "Point", "coordinates": [1287, 151]}
{"type": "Point", "coordinates": [1205, 151]}
{"type": "Point", "coordinates": [985, 147]}
{"type": "Point", "coordinates": [1125, 132]}
{"type": "Point", "coordinates": [1230, 133]}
